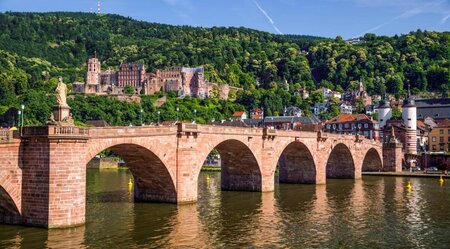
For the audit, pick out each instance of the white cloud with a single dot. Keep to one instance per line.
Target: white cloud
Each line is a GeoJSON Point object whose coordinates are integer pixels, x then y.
{"type": "Point", "coordinates": [268, 17]}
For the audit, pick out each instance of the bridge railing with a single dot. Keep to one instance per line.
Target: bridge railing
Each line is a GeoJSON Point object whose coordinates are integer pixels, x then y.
{"type": "Point", "coordinates": [54, 131]}
{"type": "Point", "coordinates": [6, 135]}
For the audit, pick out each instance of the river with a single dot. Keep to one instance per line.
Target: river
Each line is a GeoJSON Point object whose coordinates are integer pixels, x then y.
{"type": "Point", "coordinates": [375, 212]}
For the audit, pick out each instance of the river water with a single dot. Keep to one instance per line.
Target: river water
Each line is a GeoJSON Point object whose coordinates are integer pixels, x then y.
{"type": "Point", "coordinates": [375, 212]}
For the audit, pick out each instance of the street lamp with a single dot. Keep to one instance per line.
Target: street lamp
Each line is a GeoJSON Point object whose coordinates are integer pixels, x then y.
{"type": "Point", "coordinates": [19, 113]}
{"type": "Point", "coordinates": [142, 111]}
{"type": "Point", "coordinates": [177, 112]}
{"type": "Point", "coordinates": [159, 112]}
{"type": "Point", "coordinates": [195, 115]}
{"type": "Point", "coordinates": [23, 111]}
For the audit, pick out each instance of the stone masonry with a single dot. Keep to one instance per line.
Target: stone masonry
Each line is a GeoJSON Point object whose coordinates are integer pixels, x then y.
{"type": "Point", "coordinates": [43, 169]}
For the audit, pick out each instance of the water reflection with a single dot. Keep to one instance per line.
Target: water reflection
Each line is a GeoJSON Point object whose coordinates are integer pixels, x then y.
{"type": "Point", "coordinates": [374, 212]}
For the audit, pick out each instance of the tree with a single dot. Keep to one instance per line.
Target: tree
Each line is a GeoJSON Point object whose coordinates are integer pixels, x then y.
{"type": "Point", "coordinates": [129, 90]}
{"type": "Point", "coordinates": [317, 97]}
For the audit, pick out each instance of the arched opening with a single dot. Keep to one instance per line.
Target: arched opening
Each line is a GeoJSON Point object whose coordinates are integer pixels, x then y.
{"type": "Point", "coordinates": [340, 163]}
{"type": "Point", "coordinates": [8, 209]}
{"type": "Point", "coordinates": [372, 161]}
{"type": "Point", "coordinates": [296, 164]}
{"type": "Point", "coordinates": [239, 169]}
{"type": "Point", "coordinates": [152, 181]}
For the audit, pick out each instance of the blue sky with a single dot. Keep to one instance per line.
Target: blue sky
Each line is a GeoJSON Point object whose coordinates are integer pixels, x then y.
{"type": "Point", "coordinates": [328, 18]}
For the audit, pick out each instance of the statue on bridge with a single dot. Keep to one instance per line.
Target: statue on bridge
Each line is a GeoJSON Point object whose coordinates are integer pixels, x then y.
{"type": "Point", "coordinates": [61, 115]}
{"type": "Point", "coordinates": [61, 93]}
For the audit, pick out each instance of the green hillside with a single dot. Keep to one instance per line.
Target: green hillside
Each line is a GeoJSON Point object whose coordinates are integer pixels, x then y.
{"type": "Point", "coordinates": [36, 47]}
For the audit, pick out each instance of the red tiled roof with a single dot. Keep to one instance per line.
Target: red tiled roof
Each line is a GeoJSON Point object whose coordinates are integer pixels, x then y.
{"type": "Point", "coordinates": [238, 114]}
{"type": "Point", "coordinates": [444, 123]}
{"type": "Point", "coordinates": [344, 118]}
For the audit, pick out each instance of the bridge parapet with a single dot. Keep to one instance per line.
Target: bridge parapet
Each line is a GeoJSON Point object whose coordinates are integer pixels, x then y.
{"type": "Point", "coordinates": [131, 131]}
{"type": "Point", "coordinates": [55, 131]}
{"type": "Point", "coordinates": [6, 136]}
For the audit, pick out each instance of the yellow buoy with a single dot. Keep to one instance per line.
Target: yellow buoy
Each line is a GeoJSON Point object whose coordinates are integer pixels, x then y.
{"type": "Point", "coordinates": [408, 187]}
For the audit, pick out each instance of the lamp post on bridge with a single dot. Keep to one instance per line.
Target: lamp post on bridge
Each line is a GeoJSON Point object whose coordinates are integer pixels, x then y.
{"type": "Point", "coordinates": [159, 112]}
{"type": "Point", "coordinates": [177, 112]}
{"type": "Point", "coordinates": [19, 112]}
{"type": "Point", "coordinates": [195, 115]}
{"type": "Point", "coordinates": [22, 106]}
{"type": "Point", "coordinates": [142, 111]}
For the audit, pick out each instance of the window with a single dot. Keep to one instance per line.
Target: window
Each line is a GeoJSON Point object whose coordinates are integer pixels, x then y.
{"type": "Point", "coordinates": [441, 147]}
{"type": "Point", "coordinates": [441, 139]}
{"type": "Point", "coordinates": [433, 139]}
{"type": "Point", "coordinates": [346, 125]}
{"type": "Point", "coordinates": [441, 131]}
{"type": "Point", "coordinates": [434, 147]}
{"type": "Point", "coordinates": [366, 125]}
{"type": "Point", "coordinates": [448, 131]}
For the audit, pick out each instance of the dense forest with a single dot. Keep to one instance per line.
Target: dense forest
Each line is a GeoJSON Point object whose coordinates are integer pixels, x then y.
{"type": "Point", "coordinates": [35, 48]}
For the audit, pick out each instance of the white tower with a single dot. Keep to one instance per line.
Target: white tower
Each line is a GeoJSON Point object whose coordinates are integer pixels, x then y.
{"type": "Point", "coordinates": [384, 114]}
{"type": "Point", "coordinates": [409, 116]}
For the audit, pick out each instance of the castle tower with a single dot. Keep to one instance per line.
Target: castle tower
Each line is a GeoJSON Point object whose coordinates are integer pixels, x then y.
{"type": "Point", "coordinates": [384, 114]}
{"type": "Point", "coordinates": [409, 116]}
{"type": "Point", "coordinates": [93, 71]}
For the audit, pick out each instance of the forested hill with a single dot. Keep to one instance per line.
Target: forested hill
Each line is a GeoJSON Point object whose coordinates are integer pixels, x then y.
{"type": "Point", "coordinates": [36, 47]}
{"type": "Point", "coordinates": [234, 55]}
{"type": "Point", "coordinates": [238, 56]}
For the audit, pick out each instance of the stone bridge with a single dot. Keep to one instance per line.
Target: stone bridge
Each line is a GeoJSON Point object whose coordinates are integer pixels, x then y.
{"type": "Point", "coordinates": [43, 169]}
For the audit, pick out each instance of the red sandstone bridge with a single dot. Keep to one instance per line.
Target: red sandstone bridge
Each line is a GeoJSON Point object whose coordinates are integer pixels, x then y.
{"type": "Point", "coordinates": [43, 170]}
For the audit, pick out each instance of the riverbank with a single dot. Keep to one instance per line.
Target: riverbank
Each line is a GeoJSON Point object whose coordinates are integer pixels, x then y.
{"type": "Point", "coordinates": [407, 174]}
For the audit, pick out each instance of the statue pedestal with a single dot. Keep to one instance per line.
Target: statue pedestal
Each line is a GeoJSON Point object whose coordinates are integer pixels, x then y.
{"type": "Point", "coordinates": [61, 116]}
{"type": "Point", "coordinates": [61, 112]}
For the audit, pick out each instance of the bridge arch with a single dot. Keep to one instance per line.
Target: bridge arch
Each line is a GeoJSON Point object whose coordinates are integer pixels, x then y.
{"type": "Point", "coordinates": [372, 161]}
{"type": "Point", "coordinates": [240, 169]}
{"type": "Point", "coordinates": [340, 163]}
{"type": "Point", "coordinates": [296, 164]}
{"type": "Point", "coordinates": [9, 212]}
{"type": "Point", "coordinates": [152, 178]}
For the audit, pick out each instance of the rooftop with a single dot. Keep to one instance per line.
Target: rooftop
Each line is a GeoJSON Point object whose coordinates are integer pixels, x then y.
{"type": "Point", "coordinates": [344, 118]}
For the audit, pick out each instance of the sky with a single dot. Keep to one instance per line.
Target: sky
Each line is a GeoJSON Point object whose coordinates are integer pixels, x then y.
{"type": "Point", "coordinates": [325, 18]}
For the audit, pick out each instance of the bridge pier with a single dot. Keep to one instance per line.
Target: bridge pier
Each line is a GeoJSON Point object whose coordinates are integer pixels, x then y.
{"type": "Point", "coordinates": [54, 177]}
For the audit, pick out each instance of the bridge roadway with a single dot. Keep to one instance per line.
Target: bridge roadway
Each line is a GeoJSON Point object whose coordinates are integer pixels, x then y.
{"type": "Point", "coordinates": [43, 169]}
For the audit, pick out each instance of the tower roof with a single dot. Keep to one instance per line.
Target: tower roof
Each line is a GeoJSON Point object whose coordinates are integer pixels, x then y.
{"type": "Point", "coordinates": [409, 102]}
{"type": "Point", "coordinates": [384, 104]}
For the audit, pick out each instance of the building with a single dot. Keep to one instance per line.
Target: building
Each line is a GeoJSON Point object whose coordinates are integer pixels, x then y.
{"type": "Point", "coordinates": [371, 109]}
{"type": "Point", "coordinates": [186, 81]}
{"type": "Point", "coordinates": [409, 117]}
{"type": "Point", "coordinates": [345, 108]}
{"type": "Point", "coordinates": [439, 137]}
{"type": "Point", "coordinates": [438, 109]}
{"type": "Point", "coordinates": [303, 93]}
{"type": "Point", "coordinates": [353, 124]}
{"type": "Point", "coordinates": [311, 123]}
{"type": "Point", "coordinates": [257, 113]}
{"type": "Point", "coordinates": [239, 116]}
{"type": "Point", "coordinates": [131, 74]}
{"type": "Point", "coordinates": [384, 114]}
{"type": "Point", "coordinates": [318, 108]}
{"type": "Point", "coordinates": [359, 94]}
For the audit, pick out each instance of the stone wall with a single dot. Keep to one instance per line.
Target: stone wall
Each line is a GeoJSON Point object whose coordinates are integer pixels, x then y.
{"type": "Point", "coordinates": [103, 163]}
